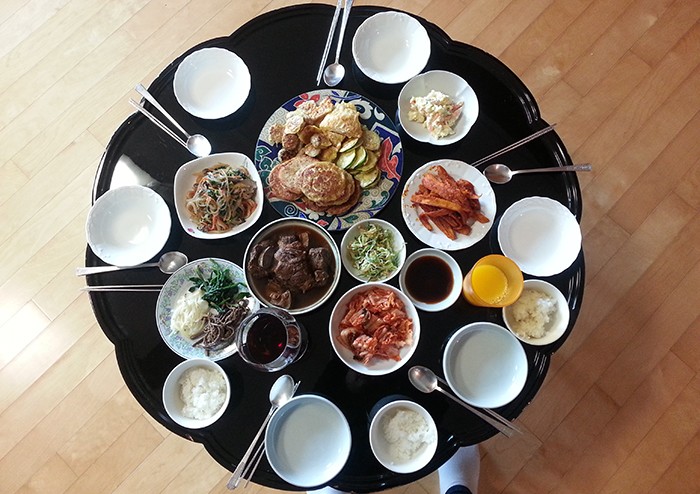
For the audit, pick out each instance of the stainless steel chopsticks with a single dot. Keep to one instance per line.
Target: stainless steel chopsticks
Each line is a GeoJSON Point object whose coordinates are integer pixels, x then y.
{"type": "Point", "coordinates": [158, 123]}
{"type": "Point", "coordinates": [513, 146]}
{"type": "Point", "coordinates": [327, 48]}
{"type": "Point", "coordinates": [122, 288]}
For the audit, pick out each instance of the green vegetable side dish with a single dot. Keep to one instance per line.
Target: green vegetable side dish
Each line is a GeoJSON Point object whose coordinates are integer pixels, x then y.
{"type": "Point", "coordinates": [219, 289]}
{"type": "Point", "coordinates": [373, 254]}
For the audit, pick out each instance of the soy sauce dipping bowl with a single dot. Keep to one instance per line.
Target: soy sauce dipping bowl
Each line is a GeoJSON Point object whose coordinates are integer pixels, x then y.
{"type": "Point", "coordinates": [442, 269]}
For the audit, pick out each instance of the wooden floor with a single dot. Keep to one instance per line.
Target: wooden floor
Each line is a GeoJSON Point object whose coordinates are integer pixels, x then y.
{"type": "Point", "coordinates": [619, 410]}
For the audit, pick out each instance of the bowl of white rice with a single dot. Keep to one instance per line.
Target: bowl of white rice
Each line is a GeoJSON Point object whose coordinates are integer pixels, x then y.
{"type": "Point", "coordinates": [403, 436]}
{"type": "Point", "coordinates": [540, 316]}
{"type": "Point", "coordinates": [196, 393]}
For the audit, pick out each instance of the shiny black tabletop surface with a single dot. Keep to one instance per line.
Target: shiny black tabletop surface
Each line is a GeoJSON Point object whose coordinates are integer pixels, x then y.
{"type": "Point", "coordinates": [282, 53]}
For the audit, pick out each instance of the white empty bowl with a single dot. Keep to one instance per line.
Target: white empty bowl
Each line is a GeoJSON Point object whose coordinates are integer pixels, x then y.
{"type": "Point", "coordinates": [391, 47]}
{"type": "Point", "coordinates": [399, 246]}
{"type": "Point", "coordinates": [558, 320]}
{"type": "Point", "coordinates": [172, 388]}
{"type": "Point", "coordinates": [398, 446]}
{"type": "Point", "coordinates": [451, 282]}
{"type": "Point", "coordinates": [308, 441]}
{"type": "Point", "coordinates": [447, 83]}
{"type": "Point", "coordinates": [211, 83]}
{"type": "Point", "coordinates": [185, 179]}
{"type": "Point", "coordinates": [485, 365]}
{"type": "Point", "coordinates": [540, 235]}
{"type": "Point", "coordinates": [128, 225]}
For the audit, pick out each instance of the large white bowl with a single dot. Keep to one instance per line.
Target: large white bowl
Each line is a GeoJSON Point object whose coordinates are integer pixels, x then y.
{"type": "Point", "coordinates": [558, 321]}
{"type": "Point", "coordinates": [185, 178]}
{"type": "Point", "coordinates": [391, 47]}
{"type": "Point", "coordinates": [128, 225]}
{"type": "Point", "coordinates": [447, 83]}
{"type": "Point", "coordinates": [171, 393]}
{"type": "Point", "coordinates": [308, 441]}
{"type": "Point", "coordinates": [382, 448]}
{"type": "Point", "coordinates": [376, 367]}
{"type": "Point", "coordinates": [455, 274]}
{"type": "Point", "coordinates": [211, 83]}
{"type": "Point", "coordinates": [540, 235]}
{"type": "Point", "coordinates": [399, 246]}
{"type": "Point", "coordinates": [485, 365]}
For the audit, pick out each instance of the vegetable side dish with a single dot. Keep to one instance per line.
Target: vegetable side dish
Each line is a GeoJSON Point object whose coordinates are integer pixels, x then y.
{"type": "Point", "coordinates": [373, 254]}
{"type": "Point", "coordinates": [436, 111]}
{"type": "Point", "coordinates": [222, 197]}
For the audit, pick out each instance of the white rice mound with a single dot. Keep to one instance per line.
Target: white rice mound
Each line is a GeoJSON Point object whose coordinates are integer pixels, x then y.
{"type": "Point", "coordinates": [203, 392]}
{"type": "Point", "coordinates": [531, 313]}
{"type": "Point", "coordinates": [407, 432]}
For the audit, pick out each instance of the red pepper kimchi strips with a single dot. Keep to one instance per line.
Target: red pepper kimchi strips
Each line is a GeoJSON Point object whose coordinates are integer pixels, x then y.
{"type": "Point", "coordinates": [451, 205]}
{"type": "Point", "coordinates": [375, 325]}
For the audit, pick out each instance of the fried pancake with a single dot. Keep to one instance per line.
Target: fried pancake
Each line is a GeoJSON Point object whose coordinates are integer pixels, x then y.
{"type": "Point", "coordinates": [339, 209]}
{"type": "Point", "coordinates": [284, 178]}
{"type": "Point", "coordinates": [349, 191]}
{"type": "Point", "coordinates": [344, 119]}
{"type": "Point", "coordinates": [323, 182]}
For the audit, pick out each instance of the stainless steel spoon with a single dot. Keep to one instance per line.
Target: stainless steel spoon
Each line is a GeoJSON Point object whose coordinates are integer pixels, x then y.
{"type": "Point", "coordinates": [426, 381]}
{"type": "Point", "coordinates": [335, 72]}
{"type": "Point", "coordinates": [196, 144]}
{"type": "Point", "coordinates": [168, 263]}
{"type": "Point", "coordinates": [501, 174]}
{"type": "Point", "coordinates": [280, 393]}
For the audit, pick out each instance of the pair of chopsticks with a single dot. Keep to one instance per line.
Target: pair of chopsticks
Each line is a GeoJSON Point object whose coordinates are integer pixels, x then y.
{"type": "Point", "coordinates": [513, 146]}
{"type": "Point", "coordinates": [122, 288]}
{"type": "Point", "coordinates": [327, 49]}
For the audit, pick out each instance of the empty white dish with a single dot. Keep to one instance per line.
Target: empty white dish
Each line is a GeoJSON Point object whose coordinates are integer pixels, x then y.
{"type": "Point", "coordinates": [128, 225]}
{"type": "Point", "coordinates": [540, 235]}
{"type": "Point", "coordinates": [211, 83]}
{"type": "Point", "coordinates": [391, 47]}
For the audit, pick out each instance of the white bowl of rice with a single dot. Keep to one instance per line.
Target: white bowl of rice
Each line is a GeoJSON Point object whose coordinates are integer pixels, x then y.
{"type": "Point", "coordinates": [540, 316]}
{"type": "Point", "coordinates": [403, 436]}
{"type": "Point", "coordinates": [196, 393]}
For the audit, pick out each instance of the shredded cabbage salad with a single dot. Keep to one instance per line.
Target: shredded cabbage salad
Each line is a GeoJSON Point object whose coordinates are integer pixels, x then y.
{"type": "Point", "coordinates": [373, 254]}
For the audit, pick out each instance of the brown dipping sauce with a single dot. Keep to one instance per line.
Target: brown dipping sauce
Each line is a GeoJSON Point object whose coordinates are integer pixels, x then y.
{"type": "Point", "coordinates": [429, 279]}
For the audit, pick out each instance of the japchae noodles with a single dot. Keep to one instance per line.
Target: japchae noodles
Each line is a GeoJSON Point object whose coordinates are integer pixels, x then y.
{"type": "Point", "coordinates": [222, 197]}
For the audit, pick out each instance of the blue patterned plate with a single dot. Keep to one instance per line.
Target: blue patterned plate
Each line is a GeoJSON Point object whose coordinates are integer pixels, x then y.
{"type": "Point", "coordinates": [372, 200]}
{"type": "Point", "coordinates": [174, 288]}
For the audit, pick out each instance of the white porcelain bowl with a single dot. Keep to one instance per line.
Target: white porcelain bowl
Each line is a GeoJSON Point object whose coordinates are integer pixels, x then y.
{"type": "Point", "coordinates": [447, 83]}
{"type": "Point", "coordinates": [455, 278]}
{"type": "Point", "coordinates": [128, 225]}
{"type": "Point", "coordinates": [211, 83]}
{"type": "Point", "coordinates": [485, 365]}
{"type": "Point", "coordinates": [172, 398]}
{"type": "Point", "coordinates": [391, 448]}
{"type": "Point", "coordinates": [540, 235]}
{"type": "Point", "coordinates": [391, 47]}
{"type": "Point", "coordinates": [399, 246]}
{"type": "Point", "coordinates": [308, 441]}
{"type": "Point", "coordinates": [558, 321]}
{"type": "Point", "coordinates": [376, 367]}
{"type": "Point", "coordinates": [185, 178]}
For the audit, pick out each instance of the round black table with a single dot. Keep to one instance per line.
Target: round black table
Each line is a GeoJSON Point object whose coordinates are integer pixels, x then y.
{"type": "Point", "coordinates": [282, 50]}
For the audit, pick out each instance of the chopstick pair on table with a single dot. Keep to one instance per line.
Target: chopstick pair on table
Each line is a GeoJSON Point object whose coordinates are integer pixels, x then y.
{"type": "Point", "coordinates": [121, 288]}
{"type": "Point", "coordinates": [331, 33]}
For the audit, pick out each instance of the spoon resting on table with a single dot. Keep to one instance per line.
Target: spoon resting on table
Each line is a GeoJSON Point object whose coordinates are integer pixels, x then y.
{"type": "Point", "coordinates": [168, 264]}
{"type": "Point", "coordinates": [335, 72]}
{"type": "Point", "coordinates": [501, 174]}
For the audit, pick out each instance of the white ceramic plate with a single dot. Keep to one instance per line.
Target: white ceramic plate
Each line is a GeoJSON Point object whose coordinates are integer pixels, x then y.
{"type": "Point", "coordinates": [308, 441]}
{"type": "Point", "coordinates": [540, 235]}
{"type": "Point", "coordinates": [176, 286]}
{"type": "Point", "coordinates": [128, 225]}
{"type": "Point", "coordinates": [447, 83]}
{"type": "Point", "coordinates": [376, 367]}
{"type": "Point", "coordinates": [211, 83]}
{"type": "Point", "coordinates": [171, 393]}
{"type": "Point", "coordinates": [485, 365]}
{"type": "Point", "coordinates": [382, 448]}
{"type": "Point", "coordinates": [391, 47]}
{"type": "Point", "coordinates": [456, 274]}
{"type": "Point", "coordinates": [458, 170]}
{"type": "Point", "coordinates": [558, 321]}
{"type": "Point", "coordinates": [185, 178]}
{"type": "Point", "coordinates": [399, 246]}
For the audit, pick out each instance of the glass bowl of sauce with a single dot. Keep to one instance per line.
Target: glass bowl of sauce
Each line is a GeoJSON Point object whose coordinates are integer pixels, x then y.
{"type": "Point", "coordinates": [431, 279]}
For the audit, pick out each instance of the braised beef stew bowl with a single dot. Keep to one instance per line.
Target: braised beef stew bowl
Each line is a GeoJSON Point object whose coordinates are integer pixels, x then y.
{"type": "Point", "coordinates": [292, 263]}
